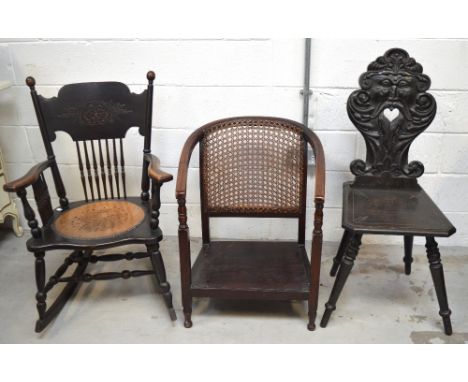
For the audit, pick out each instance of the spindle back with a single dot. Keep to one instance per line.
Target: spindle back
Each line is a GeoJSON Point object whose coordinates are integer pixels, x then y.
{"type": "Point", "coordinates": [97, 116]}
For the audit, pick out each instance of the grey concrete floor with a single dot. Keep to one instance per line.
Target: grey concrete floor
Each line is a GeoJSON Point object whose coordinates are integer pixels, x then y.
{"type": "Point", "coordinates": [379, 304]}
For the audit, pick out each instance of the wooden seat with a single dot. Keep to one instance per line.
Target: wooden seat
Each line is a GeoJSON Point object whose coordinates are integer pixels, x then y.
{"type": "Point", "coordinates": [252, 167]}
{"type": "Point", "coordinates": [97, 116]}
{"type": "Point", "coordinates": [118, 222]}
{"type": "Point", "coordinates": [393, 211]}
{"type": "Point", "coordinates": [252, 270]}
{"type": "Point", "coordinates": [391, 108]}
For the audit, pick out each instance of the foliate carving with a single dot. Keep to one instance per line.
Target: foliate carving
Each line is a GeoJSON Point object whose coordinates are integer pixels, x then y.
{"type": "Point", "coordinates": [95, 113]}
{"type": "Point", "coordinates": [390, 110]}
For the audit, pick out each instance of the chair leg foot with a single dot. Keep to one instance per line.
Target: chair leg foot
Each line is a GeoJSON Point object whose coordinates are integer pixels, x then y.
{"type": "Point", "coordinates": [339, 254]}
{"type": "Point", "coordinates": [408, 259]}
{"type": "Point", "coordinates": [326, 315]}
{"type": "Point", "coordinates": [447, 325]}
{"type": "Point", "coordinates": [40, 326]}
{"type": "Point", "coordinates": [188, 320]}
{"type": "Point", "coordinates": [312, 315]}
{"type": "Point", "coordinates": [345, 268]}
{"type": "Point", "coordinates": [167, 295]}
{"type": "Point", "coordinates": [437, 272]}
{"type": "Point", "coordinates": [160, 274]}
{"type": "Point", "coordinates": [46, 317]}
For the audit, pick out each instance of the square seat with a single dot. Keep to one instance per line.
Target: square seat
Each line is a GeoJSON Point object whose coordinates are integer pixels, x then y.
{"type": "Point", "coordinates": [393, 211]}
{"type": "Point", "coordinates": [252, 270]}
{"type": "Point", "coordinates": [98, 224]}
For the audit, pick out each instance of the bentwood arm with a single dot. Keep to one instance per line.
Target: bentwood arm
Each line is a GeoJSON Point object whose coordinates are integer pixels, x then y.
{"type": "Point", "coordinates": [154, 170]}
{"type": "Point", "coordinates": [181, 185]}
{"type": "Point", "coordinates": [317, 234]}
{"type": "Point", "coordinates": [316, 145]}
{"type": "Point", "coordinates": [28, 179]}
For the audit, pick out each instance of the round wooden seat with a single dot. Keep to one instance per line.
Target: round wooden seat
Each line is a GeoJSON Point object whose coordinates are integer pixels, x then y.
{"type": "Point", "coordinates": [99, 219]}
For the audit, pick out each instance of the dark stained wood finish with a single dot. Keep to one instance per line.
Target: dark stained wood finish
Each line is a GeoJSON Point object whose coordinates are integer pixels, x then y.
{"type": "Point", "coordinates": [393, 211]}
{"type": "Point", "coordinates": [408, 258]}
{"type": "Point", "coordinates": [154, 170]}
{"type": "Point", "coordinates": [437, 273]}
{"type": "Point", "coordinates": [341, 251]}
{"type": "Point", "coordinates": [91, 113]}
{"type": "Point", "coordinates": [253, 270]}
{"type": "Point", "coordinates": [28, 179]}
{"type": "Point", "coordinates": [391, 108]}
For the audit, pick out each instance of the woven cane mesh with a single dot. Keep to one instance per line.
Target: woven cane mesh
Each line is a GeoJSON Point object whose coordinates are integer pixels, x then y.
{"type": "Point", "coordinates": [253, 167]}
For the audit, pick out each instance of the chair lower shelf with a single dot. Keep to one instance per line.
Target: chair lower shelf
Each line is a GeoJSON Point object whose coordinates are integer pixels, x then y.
{"type": "Point", "coordinates": [251, 270]}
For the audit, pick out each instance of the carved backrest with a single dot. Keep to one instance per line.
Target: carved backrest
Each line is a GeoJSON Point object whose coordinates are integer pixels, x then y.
{"type": "Point", "coordinates": [94, 110]}
{"type": "Point", "coordinates": [97, 116]}
{"type": "Point", "coordinates": [253, 166]}
{"type": "Point", "coordinates": [390, 110]}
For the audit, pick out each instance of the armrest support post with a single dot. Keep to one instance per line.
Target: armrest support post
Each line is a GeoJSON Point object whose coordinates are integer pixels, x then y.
{"type": "Point", "coordinates": [29, 214]}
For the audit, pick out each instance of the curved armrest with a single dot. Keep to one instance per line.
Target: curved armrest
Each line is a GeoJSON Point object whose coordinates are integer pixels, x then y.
{"type": "Point", "coordinates": [190, 143]}
{"type": "Point", "coordinates": [314, 141]}
{"type": "Point", "coordinates": [154, 170]}
{"type": "Point", "coordinates": [27, 180]}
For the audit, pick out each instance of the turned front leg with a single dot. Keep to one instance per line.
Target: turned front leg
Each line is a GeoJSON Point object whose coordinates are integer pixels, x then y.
{"type": "Point", "coordinates": [185, 263]}
{"type": "Point", "coordinates": [315, 262]}
{"type": "Point", "coordinates": [345, 268]}
{"type": "Point", "coordinates": [437, 272]}
{"type": "Point", "coordinates": [341, 250]}
{"type": "Point", "coordinates": [40, 284]}
{"type": "Point", "coordinates": [408, 259]}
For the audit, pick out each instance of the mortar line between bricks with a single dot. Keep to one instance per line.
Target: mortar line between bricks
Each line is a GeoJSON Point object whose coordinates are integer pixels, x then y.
{"type": "Point", "coordinates": [192, 128]}
{"type": "Point", "coordinates": [266, 86]}
{"type": "Point", "coordinates": [174, 168]}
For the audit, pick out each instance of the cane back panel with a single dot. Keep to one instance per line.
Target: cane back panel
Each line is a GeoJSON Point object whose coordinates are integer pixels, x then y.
{"type": "Point", "coordinates": [253, 167]}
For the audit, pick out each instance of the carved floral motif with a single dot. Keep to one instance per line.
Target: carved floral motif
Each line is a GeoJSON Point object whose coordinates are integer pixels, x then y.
{"type": "Point", "coordinates": [95, 113]}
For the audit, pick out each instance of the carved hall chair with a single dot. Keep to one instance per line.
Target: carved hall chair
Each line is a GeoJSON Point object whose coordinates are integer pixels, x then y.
{"type": "Point", "coordinates": [252, 167]}
{"type": "Point", "coordinates": [390, 110]}
{"type": "Point", "coordinates": [97, 116]}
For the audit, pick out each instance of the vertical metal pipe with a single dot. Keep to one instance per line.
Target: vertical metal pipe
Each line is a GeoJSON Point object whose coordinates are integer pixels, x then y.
{"type": "Point", "coordinates": [306, 92]}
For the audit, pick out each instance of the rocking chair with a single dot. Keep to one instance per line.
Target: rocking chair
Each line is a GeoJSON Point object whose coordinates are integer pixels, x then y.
{"type": "Point", "coordinates": [97, 116]}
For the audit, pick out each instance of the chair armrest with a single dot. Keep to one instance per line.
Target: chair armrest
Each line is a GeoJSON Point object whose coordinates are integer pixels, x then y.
{"type": "Point", "coordinates": [316, 145]}
{"type": "Point", "coordinates": [154, 170]}
{"type": "Point", "coordinates": [190, 143]}
{"type": "Point", "coordinates": [27, 180]}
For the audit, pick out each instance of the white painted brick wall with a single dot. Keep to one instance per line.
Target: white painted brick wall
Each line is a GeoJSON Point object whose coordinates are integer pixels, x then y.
{"type": "Point", "coordinates": [201, 80]}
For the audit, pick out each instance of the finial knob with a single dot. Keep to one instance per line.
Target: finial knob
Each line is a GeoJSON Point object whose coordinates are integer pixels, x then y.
{"type": "Point", "coordinates": [30, 81]}
{"type": "Point", "coordinates": [150, 76]}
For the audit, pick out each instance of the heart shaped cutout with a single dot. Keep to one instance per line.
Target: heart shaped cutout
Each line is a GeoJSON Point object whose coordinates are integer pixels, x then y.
{"type": "Point", "coordinates": [391, 114]}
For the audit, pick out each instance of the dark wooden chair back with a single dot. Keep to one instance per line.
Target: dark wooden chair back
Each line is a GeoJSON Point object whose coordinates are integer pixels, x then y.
{"type": "Point", "coordinates": [253, 166]}
{"type": "Point", "coordinates": [390, 110]}
{"type": "Point", "coordinates": [97, 116]}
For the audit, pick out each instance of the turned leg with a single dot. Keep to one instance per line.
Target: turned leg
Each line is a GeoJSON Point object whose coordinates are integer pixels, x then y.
{"type": "Point", "coordinates": [160, 273]}
{"type": "Point", "coordinates": [341, 250]}
{"type": "Point", "coordinates": [408, 259]}
{"type": "Point", "coordinates": [40, 284]}
{"type": "Point", "coordinates": [437, 272]}
{"type": "Point", "coordinates": [315, 262]}
{"type": "Point", "coordinates": [343, 273]}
